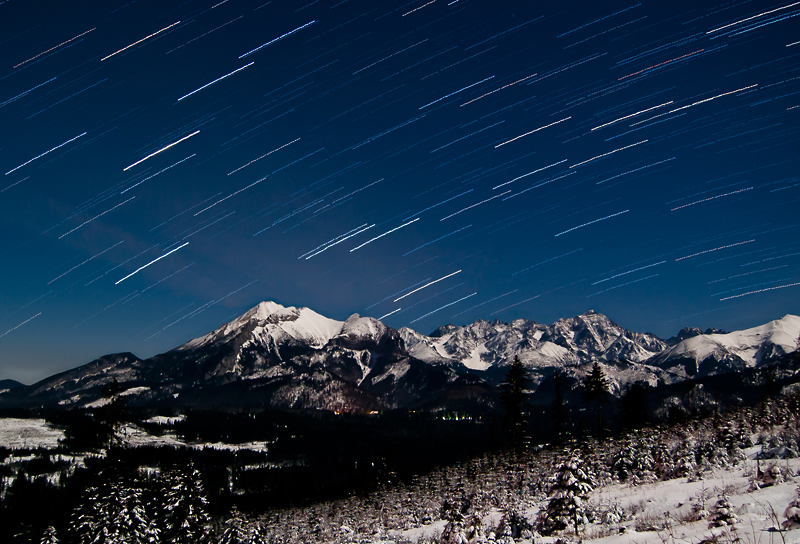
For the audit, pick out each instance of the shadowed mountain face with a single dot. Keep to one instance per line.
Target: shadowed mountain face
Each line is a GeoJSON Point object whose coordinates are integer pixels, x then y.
{"type": "Point", "coordinates": [276, 356]}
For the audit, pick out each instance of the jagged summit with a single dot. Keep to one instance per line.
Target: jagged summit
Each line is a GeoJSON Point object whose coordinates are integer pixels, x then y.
{"type": "Point", "coordinates": [273, 324]}
{"type": "Point", "coordinates": [275, 355]}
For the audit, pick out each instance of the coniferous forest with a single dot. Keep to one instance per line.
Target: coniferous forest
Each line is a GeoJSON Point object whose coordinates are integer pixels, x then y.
{"type": "Point", "coordinates": [526, 471]}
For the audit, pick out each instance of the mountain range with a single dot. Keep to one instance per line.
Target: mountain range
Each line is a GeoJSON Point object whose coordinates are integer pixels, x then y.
{"type": "Point", "coordinates": [287, 357]}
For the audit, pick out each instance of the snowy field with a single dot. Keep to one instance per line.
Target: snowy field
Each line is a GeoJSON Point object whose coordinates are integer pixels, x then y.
{"type": "Point", "coordinates": [16, 433]}
{"type": "Point", "coordinates": [665, 512]}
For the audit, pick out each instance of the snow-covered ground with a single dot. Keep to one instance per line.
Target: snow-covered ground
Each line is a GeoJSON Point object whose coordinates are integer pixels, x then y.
{"type": "Point", "coordinates": [662, 512]}
{"type": "Point", "coordinates": [17, 433]}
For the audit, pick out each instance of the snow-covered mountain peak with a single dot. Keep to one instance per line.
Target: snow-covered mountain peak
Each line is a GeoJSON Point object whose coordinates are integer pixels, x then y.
{"type": "Point", "coordinates": [363, 327]}
{"type": "Point", "coordinates": [271, 322]}
{"type": "Point", "coordinates": [714, 353]}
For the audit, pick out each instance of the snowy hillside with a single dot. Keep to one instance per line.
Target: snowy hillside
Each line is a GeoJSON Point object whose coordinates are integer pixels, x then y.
{"type": "Point", "coordinates": [746, 348]}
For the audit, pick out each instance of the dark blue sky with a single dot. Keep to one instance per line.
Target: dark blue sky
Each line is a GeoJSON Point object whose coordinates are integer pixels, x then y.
{"type": "Point", "coordinates": [168, 165]}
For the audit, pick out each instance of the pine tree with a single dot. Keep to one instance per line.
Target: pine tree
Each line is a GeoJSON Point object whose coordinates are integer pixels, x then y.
{"type": "Point", "coordinates": [514, 397]}
{"type": "Point", "coordinates": [569, 489]}
{"type": "Point", "coordinates": [49, 536]}
{"type": "Point", "coordinates": [723, 513]}
{"type": "Point", "coordinates": [597, 388]}
{"type": "Point", "coordinates": [186, 520]}
{"type": "Point", "coordinates": [235, 530]}
{"type": "Point", "coordinates": [792, 514]}
{"type": "Point", "coordinates": [114, 513]}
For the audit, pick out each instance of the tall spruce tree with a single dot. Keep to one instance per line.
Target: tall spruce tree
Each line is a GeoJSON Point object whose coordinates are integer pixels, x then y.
{"type": "Point", "coordinates": [597, 389]}
{"type": "Point", "coordinates": [186, 519]}
{"type": "Point", "coordinates": [569, 491]}
{"type": "Point", "coordinates": [114, 512]}
{"type": "Point", "coordinates": [514, 398]}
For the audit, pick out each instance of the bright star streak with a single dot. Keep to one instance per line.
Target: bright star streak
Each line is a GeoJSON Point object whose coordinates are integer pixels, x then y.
{"type": "Point", "coordinates": [455, 92]}
{"type": "Point", "coordinates": [750, 18]}
{"type": "Point", "coordinates": [478, 204]}
{"type": "Point", "coordinates": [606, 154]}
{"type": "Point", "coordinates": [761, 291]}
{"type": "Point", "coordinates": [715, 249]}
{"type": "Point", "coordinates": [140, 41]}
{"type": "Point", "coordinates": [445, 306]}
{"type": "Point", "coordinates": [531, 132]}
{"type": "Point", "coordinates": [384, 234]}
{"type": "Point", "coordinates": [216, 80]}
{"type": "Point", "coordinates": [52, 48]}
{"type": "Point", "coordinates": [95, 217]}
{"type": "Point", "coordinates": [422, 6]}
{"type": "Point", "coordinates": [331, 241]}
{"type": "Point", "coordinates": [277, 39]}
{"type": "Point", "coordinates": [712, 98]}
{"type": "Point", "coordinates": [530, 173]}
{"type": "Point", "coordinates": [160, 150]}
{"type": "Point", "coordinates": [628, 272]}
{"type": "Point", "coordinates": [45, 153]}
{"type": "Point", "coordinates": [593, 222]}
{"type": "Point", "coordinates": [633, 115]}
{"type": "Point", "coordinates": [711, 198]}
{"type": "Point", "coordinates": [390, 313]}
{"type": "Point", "coordinates": [151, 262]}
{"type": "Point", "coordinates": [427, 285]}
{"type": "Point", "coordinates": [21, 324]}
{"type": "Point", "coordinates": [339, 242]}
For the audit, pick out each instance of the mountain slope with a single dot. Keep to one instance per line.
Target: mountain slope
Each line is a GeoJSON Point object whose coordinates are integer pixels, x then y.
{"type": "Point", "coordinates": [276, 356]}
{"type": "Point", "coordinates": [708, 354]}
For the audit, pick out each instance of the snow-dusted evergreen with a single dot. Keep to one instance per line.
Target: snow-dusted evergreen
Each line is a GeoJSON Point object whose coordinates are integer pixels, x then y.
{"type": "Point", "coordinates": [185, 507]}
{"type": "Point", "coordinates": [569, 491]}
{"type": "Point", "coordinates": [114, 512]}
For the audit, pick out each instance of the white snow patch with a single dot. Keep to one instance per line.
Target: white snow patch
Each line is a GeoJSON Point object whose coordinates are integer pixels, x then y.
{"type": "Point", "coordinates": [782, 332]}
{"type": "Point", "coordinates": [474, 360]}
{"type": "Point", "coordinates": [16, 433]}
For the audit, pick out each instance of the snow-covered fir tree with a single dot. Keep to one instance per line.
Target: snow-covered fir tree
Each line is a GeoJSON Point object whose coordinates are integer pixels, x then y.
{"type": "Point", "coordinates": [723, 514]}
{"type": "Point", "coordinates": [186, 519]}
{"type": "Point", "coordinates": [569, 489]}
{"type": "Point", "coordinates": [114, 513]}
{"type": "Point", "coordinates": [792, 514]}
{"type": "Point", "coordinates": [635, 462]}
{"type": "Point", "coordinates": [50, 536]}
{"type": "Point", "coordinates": [234, 529]}
{"type": "Point", "coordinates": [513, 523]}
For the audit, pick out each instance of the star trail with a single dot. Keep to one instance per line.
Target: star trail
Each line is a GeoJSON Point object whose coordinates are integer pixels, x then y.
{"type": "Point", "coordinates": [543, 151]}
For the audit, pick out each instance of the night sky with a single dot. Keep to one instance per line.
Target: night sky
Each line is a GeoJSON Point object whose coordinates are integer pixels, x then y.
{"type": "Point", "coordinates": [168, 165]}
